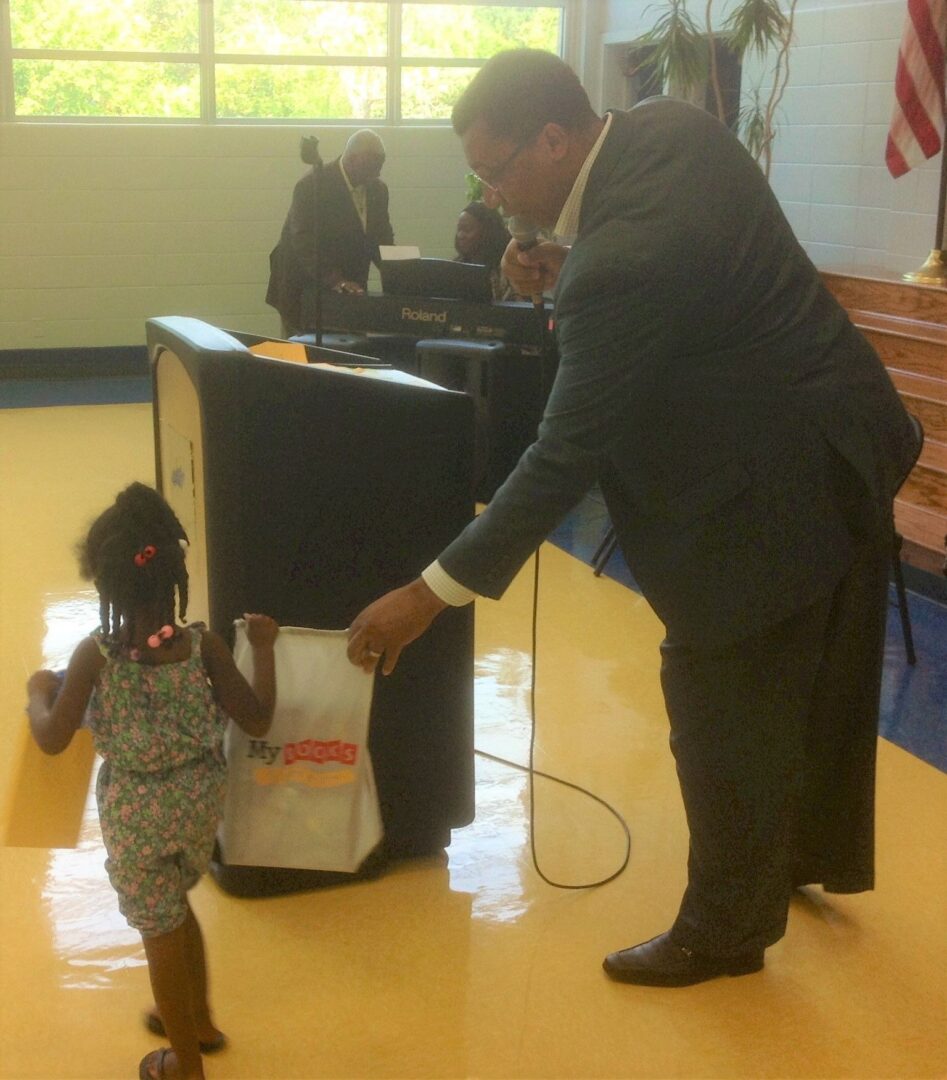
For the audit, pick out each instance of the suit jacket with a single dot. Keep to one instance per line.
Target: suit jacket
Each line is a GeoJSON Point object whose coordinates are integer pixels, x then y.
{"type": "Point", "coordinates": [345, 249]}
{"type": "Point", "coordinates": [712, 386]}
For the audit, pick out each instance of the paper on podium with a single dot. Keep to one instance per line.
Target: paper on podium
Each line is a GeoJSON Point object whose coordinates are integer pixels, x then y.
{"type": "Point", "coordinates": [295, 351]}
{"type": "Point", "coordinates": [394, 252]}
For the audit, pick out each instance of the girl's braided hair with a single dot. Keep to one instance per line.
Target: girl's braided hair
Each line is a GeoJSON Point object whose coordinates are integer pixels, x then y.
{"type": "Point", "coordinates": [133, 554]}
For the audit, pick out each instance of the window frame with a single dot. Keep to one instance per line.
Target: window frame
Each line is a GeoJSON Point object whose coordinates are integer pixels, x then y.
{"type": "Point", "coordinates": [206, 59]}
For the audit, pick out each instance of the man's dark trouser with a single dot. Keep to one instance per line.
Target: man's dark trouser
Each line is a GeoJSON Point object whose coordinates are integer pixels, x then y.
{"type": "Point", "coordinates": [775, 739]}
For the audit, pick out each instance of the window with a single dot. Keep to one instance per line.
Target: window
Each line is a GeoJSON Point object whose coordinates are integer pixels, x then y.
{"type": "Point", "coordinates": [125, 58]}
{"type": "Point", "coordinates": [255, 60]}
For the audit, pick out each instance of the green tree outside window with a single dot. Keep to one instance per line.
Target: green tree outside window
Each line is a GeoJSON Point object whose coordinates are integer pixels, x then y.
{"type": "Point", "coordinates": [136, 78]}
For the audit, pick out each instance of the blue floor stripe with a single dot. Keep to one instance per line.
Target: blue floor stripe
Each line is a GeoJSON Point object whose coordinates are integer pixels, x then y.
{"type": "Point", "coordinates": [41, 393]}
{"type": "Point", "coordinates": [914, 697]}
{"type": "Point", "coordinates": [581, 533]}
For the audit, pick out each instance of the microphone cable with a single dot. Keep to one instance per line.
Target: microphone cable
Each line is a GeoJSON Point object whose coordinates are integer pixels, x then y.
{"type": "Point", "coordinates": [530, 769]}
{"type": "Point", "coordinates": [533, 772]}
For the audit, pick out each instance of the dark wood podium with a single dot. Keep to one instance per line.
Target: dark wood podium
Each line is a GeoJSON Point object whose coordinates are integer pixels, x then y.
{"type": "Point", "coordinates": [307, 491]}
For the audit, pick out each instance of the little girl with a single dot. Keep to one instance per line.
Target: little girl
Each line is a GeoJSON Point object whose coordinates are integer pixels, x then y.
{"type": "Point", "coordinates": [158, 696]}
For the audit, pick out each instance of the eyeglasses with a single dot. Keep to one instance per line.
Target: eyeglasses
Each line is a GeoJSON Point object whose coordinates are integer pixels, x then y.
{"type": "Point", "coordinates": [504, 167]}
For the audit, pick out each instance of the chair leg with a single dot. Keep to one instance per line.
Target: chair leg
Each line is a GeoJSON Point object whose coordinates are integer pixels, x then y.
{"type": "Point", "coordinates": [903, 601]}
{"type": "Point", "coordinates": [606, 537]}
{"type": "Point", "coordinates": [604, 551]}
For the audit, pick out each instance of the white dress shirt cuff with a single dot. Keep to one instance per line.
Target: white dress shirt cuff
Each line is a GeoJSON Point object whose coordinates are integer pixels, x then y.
{"type": "Point", "coordinates": [445, 587]}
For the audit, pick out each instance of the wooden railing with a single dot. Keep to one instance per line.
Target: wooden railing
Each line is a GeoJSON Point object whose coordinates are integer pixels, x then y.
{"type": "Point", "coordinates": [907, 324]}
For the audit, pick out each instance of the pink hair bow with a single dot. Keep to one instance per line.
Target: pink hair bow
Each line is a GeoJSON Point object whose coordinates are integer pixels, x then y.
{"type": "Point", "coordinates": [146, 554]}
{"type": "Point", "coordinates": [164, 634]}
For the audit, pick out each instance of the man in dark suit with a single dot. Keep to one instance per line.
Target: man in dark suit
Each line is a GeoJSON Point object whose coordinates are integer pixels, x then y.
{"type": "Point", "coordinates": [748, 442]}
{"type": "Point", "coordinates": [344, 226]}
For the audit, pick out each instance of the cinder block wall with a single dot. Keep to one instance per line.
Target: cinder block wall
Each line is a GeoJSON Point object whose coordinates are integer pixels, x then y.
{"type": "Point", "coordinates": [829, 171]}
{"type": "Point", "coordinates": [103, 226]}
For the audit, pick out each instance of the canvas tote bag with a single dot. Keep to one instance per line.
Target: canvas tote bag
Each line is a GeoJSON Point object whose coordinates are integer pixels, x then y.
{"type": "Point", "coordinates": [303, 796]}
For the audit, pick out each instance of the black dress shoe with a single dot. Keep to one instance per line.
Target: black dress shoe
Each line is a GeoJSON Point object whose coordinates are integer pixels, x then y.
{"type": "Point", "coordinates": [659, 962]}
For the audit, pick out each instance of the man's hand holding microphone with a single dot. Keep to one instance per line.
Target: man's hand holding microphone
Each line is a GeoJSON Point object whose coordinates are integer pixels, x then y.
{"type": "Point", "coordinates": [531, 265]}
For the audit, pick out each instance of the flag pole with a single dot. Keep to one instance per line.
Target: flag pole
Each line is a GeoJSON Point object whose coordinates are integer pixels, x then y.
{"type": "Point", "coordinates": [934, 270]}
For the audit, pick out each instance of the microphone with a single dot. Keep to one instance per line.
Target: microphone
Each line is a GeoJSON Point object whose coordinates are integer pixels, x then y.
{"type": "Point", "coordinates": [526, 235]}
{"type": "Point", "coordinates": [523, 232]}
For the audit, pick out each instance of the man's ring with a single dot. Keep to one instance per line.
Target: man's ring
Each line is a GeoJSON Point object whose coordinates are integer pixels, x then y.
{"type": "Point", "coordinates": [374, 655]}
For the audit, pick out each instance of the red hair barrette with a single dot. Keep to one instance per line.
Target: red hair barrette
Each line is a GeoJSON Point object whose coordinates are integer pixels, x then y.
{"type": "Point", "coordinates": [164, 634]}
{"type": "Point", "coordinates": [146, 554]}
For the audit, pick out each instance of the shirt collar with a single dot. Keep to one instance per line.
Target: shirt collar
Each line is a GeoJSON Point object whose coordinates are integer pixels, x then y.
{"type": "Point", "coordinates": [348, 182]}
{"type": "Point", "coordinates": [567, 227]}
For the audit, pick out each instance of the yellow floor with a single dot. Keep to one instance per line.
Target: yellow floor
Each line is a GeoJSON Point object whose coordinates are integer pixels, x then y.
{"type": "Point", "coordinates": [469, 966]}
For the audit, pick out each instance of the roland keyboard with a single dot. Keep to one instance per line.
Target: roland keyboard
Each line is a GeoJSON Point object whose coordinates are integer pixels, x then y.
{"type": "Point", "coordinates": [513, 322]}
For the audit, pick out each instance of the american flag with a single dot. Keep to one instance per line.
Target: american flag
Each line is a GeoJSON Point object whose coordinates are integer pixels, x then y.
{"type": "Point", "coordinates": [917, 125]}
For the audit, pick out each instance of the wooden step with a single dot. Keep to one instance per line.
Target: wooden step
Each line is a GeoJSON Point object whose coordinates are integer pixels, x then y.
{"type": "Point", "coordinates": [907, 325]}
{"type": "Point", "coordinates": [917, 355]}
{"type": "Point", "coordinates": [926, 486]}
{"type": "Point", "coordinates": [933, 417]}
{"type": "Point", "coordinates": [888, 295]}
{"type": "Point", "coordinates": [926, 559]}
{"type": "Point", "coordinates": [900, 326]}
{"type": "Point", "coordinates": [920, 386]}
{"type": "Point", "coordinates": [920, 507]}
{"type": "Point", "coordinates": [922, 527]}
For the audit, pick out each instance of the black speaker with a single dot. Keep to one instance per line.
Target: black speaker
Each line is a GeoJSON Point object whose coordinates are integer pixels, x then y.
{"type": "Point", "coordinates": [508, 388]}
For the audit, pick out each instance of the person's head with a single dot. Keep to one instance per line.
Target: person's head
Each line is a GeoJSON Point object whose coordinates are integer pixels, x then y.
{"type": "Point", "coordinates": [526, 126]}
{"type": "Point", "coordinates": [481, 236]}
{"type": "Point", "coordinates": [363, 157]}
{"type": "Point", "coordinates": [135, 555]}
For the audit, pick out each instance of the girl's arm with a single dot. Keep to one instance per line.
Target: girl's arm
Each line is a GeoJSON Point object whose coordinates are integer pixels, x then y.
{"type": "Point", "coordinates": [251, 707]}
{"type": "Point", "coordinates": [56, 714]}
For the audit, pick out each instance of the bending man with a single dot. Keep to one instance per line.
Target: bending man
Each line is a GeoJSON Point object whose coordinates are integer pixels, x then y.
{"type": "Point", "coordinates": [748, 442]}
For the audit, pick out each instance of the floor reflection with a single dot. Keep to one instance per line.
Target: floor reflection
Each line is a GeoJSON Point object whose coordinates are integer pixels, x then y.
{"type": "Point", "coordinates": [68, 618]}
{"type": "Point", "coordinates": [501, 703]}
{"type": "Point", "coordinates": [89, 933]}
{"type": "Point", "coordinates": [487, 858]}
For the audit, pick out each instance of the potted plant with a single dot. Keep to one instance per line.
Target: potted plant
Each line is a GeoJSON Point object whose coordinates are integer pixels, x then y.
{"type": "Point", "coordinates": [684, 58]}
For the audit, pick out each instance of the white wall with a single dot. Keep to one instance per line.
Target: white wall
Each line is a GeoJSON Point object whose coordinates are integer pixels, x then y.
{"type": "Point", "coordinates": [829, 171]}
{"type": "Point", "coordinates": [103, 226]}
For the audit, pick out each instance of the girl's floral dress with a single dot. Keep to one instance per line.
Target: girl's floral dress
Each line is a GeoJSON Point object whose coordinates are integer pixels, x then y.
{"type": "Point", "coordinates": [161, 785]}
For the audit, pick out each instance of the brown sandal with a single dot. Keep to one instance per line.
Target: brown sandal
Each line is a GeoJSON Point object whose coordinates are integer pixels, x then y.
{"type": "Point", "coordinates": [157, 1059]}
{"type": "Point", "coordinates": [155, 1025]}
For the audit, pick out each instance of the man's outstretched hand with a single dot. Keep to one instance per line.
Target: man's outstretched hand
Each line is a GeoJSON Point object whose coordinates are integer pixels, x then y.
{"type": "Point", "coordinates": [390, 623]}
